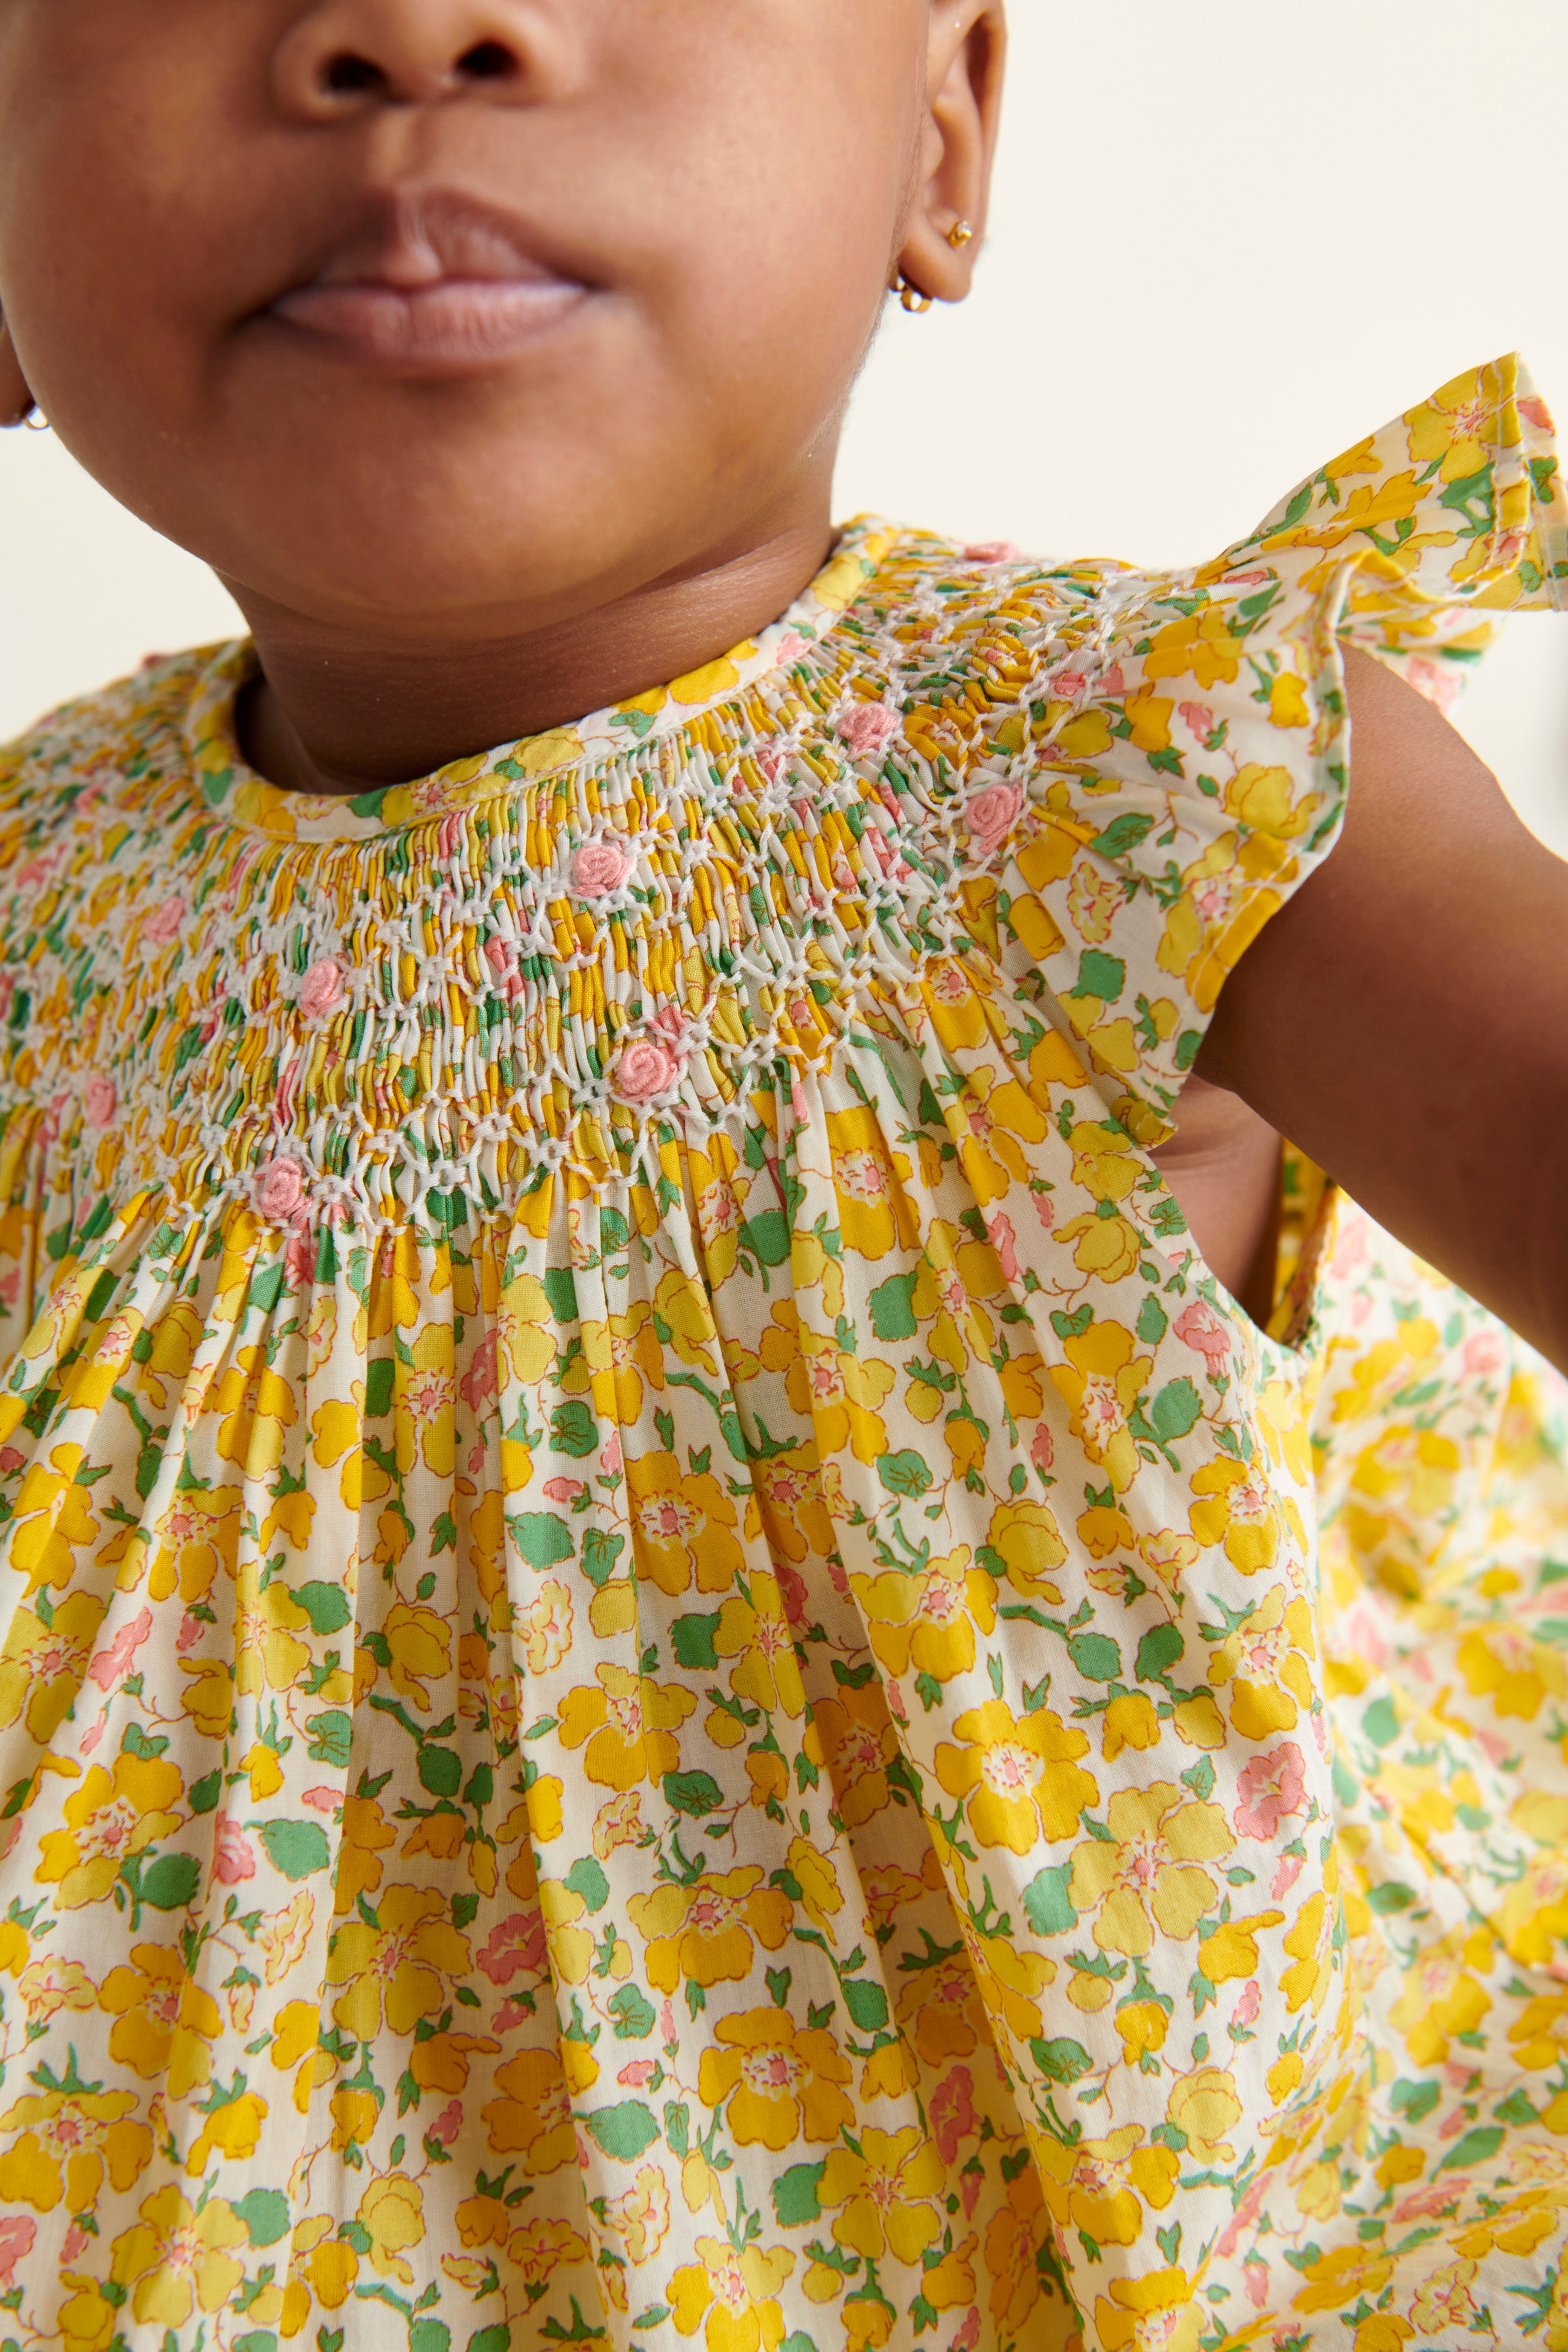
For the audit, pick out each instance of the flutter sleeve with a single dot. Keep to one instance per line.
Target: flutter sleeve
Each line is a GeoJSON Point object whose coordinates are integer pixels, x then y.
{"type": "Point", "coordinates": [1193, 750]}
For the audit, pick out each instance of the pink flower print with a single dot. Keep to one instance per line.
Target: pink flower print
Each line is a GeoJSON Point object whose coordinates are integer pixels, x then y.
{"type": "Point", "coordinates": [1285, 1877]}
{"type": "Point", "coordinates": [101, 1099]}
{"type": "Point", "coordinates": [1043, 1452]}
{"type": "Point", "coordinates": [564, 1490]}
{"type": "Point", "coordinates": [1271, 1788]}
{"type": "Point", "coordinates": [968, 2335]}
{"type": "Point", "coordinates": [1457, 2120]}
{"type": "Point", "coordinates": [953, 2113]}
{"type": "Point", "coordinates": [1245, 2213]}
{"type": "Point", "coordinates": [669, 1022]}
{"type": "Point", "coordinates": [1201, 1330]}
{"type": "Point", "coordinates": [1247, 2007]}
{"type": "Point", "coordinates": [1484, 1353]}
{"type": "Point", "coordinates": [322, 1800]}
{"type": "Point", "coordinates": [636, 2073]}
{"type": "Point", "coordinates": [480, 1384]}
{"type": "Point", "coordinates": [450, 835]}
{"type": "Point", "coordinates": [610, 1457]}
{"type": "Point", "coordinates": [16, 2235]}
{"type": "Point", "coordinates": [1255, 2276]}
{"type": "Point", "coordinates": [993, 550]}
{"type": "Point", "coordinates": [163, 923]}
{"type": "Point", "coordinates": [867, 729]}
{"type": "Point", "coordinates": [300, 1256]}
{"type": "Point", "coordinates": [992, 814]}
{"type": "Point", "coordinates": [232, 1857]}
{"type": "Point", "coordinates": [7, 991]}
{"type": "Point", "coordinates": [517, 1944]}
{"type": "Point", "coordinates": [1004, 1241]}
{"type": "Point", "coordinates": [599, 868]}
{"type": "Point", "coordinates": [448, 2124]}
{"type": "Point", "coordinates": [279, 1188]}
{"type": "Point", "coordinates": [321, 991]}
{"type": "Point", "coordinates": [1433, 2200]}
{"type": "Point", "coordinates": [1113, 681]}
{"type": "Point", "coordinates": [1199, 718]}
{"type": "Point", "coordinates": [1248, 579]}
{"type": "Point", "coordinates": [110, 1665]}
{"type": "Point", "coordinates": [644, 1069]}
{"type": "Point", "coordinates": [1066, 685]}
{"type": "Point", "coordinates": [791, 647]}
{"type": "Point", "coordinates": [1439, 682]}
{"type": "Point", "coordinates": [190, 1632]}
{"type": "Point", "coordinates": [1534, 409]}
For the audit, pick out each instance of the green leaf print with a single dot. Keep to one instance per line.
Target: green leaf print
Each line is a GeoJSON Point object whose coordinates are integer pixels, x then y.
{"type": "Point", "coordinates": [892, 1308]}
{"type": "Point", "coordinates": [542, 1539]}
{"type": "Point", "coordinates": [330, 1736]}
{"type": "Point", "coordinates": [1122, 835]}
{"type": "Point", "coordinates": [794, 2195]}
{"type": "Point", "coordinates": [440, 1771]}
{"type": "Point", "coordinates": [634, 2015]}
{"type": "Point", "coordinates": [767, 1237]}
{"type": "Point", "coordinates": [691, 1639]}
{"type": "Point", "coordinates": [1046, 1904]}
{"type": "Point", "coordinates": [1158, 1652]}
{"type": "Point", "coordinates": [586, 1878]}
{"type": "Point", "coordinates": [265, 2213]}
{"type": "Point", "coordinates": [1475, 2147]}
{"type": "Point", "coordinates": [496, 2338]}
{"type": "Point", "coordinates": [326, 1606]}
{"type": "Point", "coordinates": [601, 1550]}
{"type": "Point", "coordinates": [572, 1429]}
{"type": "Point", "coordinates": [904, 1473]}
{"type": "Point", "coordinates": [623, 2131]}
{"type": "Point", "coordinates": [1176, 1411]}
{"type": "Point", "coordinates": [1101, 975]}
{"type": "Point", "coordinates": [1062, 2061]}
{"type": "Point", "coordinates": [296, 1848]}
{"type": "Point", "coordinates": [169, 1884]}
{"type": "Point", "coordinates": [692, 1792]}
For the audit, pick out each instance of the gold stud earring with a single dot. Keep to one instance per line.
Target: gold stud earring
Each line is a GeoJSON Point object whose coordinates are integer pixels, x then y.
{"type": "Point", "coordinates": [960, 235]}
{"type": "Point", "coordinates": [915, 301]}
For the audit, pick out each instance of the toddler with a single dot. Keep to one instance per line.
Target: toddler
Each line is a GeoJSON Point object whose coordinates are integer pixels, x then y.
{"type": "Point", "coordinates": [729, 1619]}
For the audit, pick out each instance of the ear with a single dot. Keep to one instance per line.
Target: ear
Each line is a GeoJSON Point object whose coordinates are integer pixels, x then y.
{"type": "Point", "coordinates": [16, 402]}
{"type": "Point", "coordinates": [958, 146]}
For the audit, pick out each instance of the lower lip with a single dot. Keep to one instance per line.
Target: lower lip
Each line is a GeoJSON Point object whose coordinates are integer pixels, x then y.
{"type": "Point", "coordinates": [462, 322]}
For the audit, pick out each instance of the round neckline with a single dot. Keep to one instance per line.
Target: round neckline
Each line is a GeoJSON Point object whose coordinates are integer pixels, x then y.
{"type": "Point", "coordinates": [801, 642]}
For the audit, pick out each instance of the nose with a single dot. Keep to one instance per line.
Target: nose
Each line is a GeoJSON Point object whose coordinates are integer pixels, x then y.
{"type": "Point", "coordinates": [346, 57]}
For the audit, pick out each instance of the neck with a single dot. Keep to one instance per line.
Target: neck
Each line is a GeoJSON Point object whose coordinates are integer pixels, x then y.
{"type": "Point", "coordinates": [339, 711]}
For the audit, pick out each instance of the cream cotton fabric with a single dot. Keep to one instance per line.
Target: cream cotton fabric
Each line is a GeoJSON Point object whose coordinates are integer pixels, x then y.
{"type": "Point", "coordinates": [672, 1673]}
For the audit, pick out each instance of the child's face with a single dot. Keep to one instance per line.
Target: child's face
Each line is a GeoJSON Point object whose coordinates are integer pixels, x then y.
{"type": "Point", "coordinates": [387, 357]}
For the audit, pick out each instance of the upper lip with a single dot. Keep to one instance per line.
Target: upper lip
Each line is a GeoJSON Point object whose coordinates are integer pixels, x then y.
{"type": "Point", "coordinates": [410, 239]}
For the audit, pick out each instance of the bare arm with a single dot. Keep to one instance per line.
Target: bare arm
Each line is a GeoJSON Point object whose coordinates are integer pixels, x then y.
{"type": "Point", "coordinates": [1405, 1018]}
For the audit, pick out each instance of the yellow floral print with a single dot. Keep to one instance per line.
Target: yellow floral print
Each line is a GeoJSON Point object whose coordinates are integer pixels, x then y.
{"type": "Point", "coordinates": [671, 1672]}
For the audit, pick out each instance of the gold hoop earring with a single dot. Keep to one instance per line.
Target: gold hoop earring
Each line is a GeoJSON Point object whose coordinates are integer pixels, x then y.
{"type": "Point", "coordinates": [36, 422]}
{"type": "Point", "coordinates": [960, 234]}
{"type": "Point", "coordinates": [914, 299]}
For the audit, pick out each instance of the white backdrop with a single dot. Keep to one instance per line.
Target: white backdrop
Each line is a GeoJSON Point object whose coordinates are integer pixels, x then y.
{"type": "Point", "coordinates": [1231, 237]}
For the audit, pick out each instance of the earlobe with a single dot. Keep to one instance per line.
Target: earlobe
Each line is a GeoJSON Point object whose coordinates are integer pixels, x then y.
{"type": "Point", "coordinates": [968, 52]}
{"type": "Point", "coordinates": [16, 402]}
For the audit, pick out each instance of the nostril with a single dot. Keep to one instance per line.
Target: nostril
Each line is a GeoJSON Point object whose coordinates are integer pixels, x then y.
{"type": "Point", "coordinates": [348, 75]}
{"type": "Point", "coordinates": [487, 61]}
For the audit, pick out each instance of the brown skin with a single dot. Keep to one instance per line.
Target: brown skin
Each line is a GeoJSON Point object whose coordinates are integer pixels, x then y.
{"type": "Point", "coordinates": [436, 558]}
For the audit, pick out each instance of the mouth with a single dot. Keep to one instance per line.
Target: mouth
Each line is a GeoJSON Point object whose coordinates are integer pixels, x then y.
{"type": "Point", "coordinates": [431, 283]}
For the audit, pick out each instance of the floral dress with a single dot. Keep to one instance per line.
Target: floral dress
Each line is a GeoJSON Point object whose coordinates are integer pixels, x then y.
{"type": "Point", "coordinates": [672, 1674]}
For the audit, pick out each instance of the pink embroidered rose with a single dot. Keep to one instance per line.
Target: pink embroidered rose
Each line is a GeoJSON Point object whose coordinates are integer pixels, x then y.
{"type": "Point", "coordinates": [644, 1070]}
{"type": "Point", "coordinates": [101, 1099]}
{"type": "Point", "coordinates": [598, 868]}
{"type": "Point", "coordinates": [992, 814]}
{"type": "Point", "coordinates": [867, 729]}
{"type": "Point", "coordinates": [321, 991]}
{"type": "Point", "coordinates": [163, 923]}
{"type": "Point", "coordinates": [1200, 1329]}
{"type": "Point", "coordinates": [279, 1188]}
{"type": "Point", "coordinates": [1270, 1789]}
{"type": "Point", "coordinates": [993, 550]}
